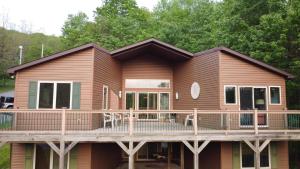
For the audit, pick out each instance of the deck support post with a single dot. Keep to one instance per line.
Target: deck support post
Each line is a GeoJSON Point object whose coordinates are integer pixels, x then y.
{"type": "Point", "coordinates": [131, 156]}
{"type": "Point", "coordinates": [130, 151]}
{"type": "Point", "coordinates": [62, 154]}
{"type": "Point", "coordinates": [181, 156]}
{"type": "Point", "coordinates": [2, 143]}
{"type": "Point", "coordinates": [257, 155]}
{"type": "Point", "coordinates": [196, 155]}
{"type": "Point", "coordinates": [169, 155]}
{"type": "Point", "coordinates": [196, 150]}
{"type": "Point", "coordinates": [257, 148]}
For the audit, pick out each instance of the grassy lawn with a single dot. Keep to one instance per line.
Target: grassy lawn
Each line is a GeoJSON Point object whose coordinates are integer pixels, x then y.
{"type": "Point", "coordinates": [5, 157]}
{"type": "Point", "coordinates": [9, 85]}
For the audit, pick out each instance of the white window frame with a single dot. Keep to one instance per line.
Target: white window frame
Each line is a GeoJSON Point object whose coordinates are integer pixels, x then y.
{"type": "Point", "coordinates": [54, 93]}
{"type": "Point", "coordinates": [241, 158]}
{"type": "Point", "coordinates": [253, 104]}
{"type": "Point", "coordinates": [168, 80]}
{"type": "Point", "coordinates": [106, 103]}
{"type": "Point", "coordinates": [169, 93]}
{"type": "Point", "coordinates": [236, 98]}
{"type": "Point", "coordinates": [135, 100]}
{"type": "Point", "coordinates": [51, 158]}
{"type": "Point", "coordinates": [280, 99]}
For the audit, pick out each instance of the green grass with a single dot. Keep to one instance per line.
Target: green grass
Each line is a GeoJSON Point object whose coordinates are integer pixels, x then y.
{"type": "Point", "coordinates": [6, 85]}
{"type": "Point", "coordinates": [5, 157]}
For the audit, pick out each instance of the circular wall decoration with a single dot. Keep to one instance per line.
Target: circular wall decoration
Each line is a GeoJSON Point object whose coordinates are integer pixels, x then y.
{"type": "Point", "coordinates": [195, 90]}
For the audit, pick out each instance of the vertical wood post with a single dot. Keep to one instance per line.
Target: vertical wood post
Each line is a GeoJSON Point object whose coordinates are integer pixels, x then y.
{"type": "Point", "coordinates": [257, 155]}
{"type": "Point", "coordinates": [61, 154]}
{"type": "Point", "coordinates": [169, 155]}
{"type": "Point", "coordinates": [195, 122]}
{"type": "Point", "coordinates": [196, 155]}
{"type": "Point", "coordinates": [286, 125]}
{"type": "Point", "coordinates": [131, 156]}
{"type": "Point", "coordinates": [130, 121]}
{"type": "Point", "coordinates": [181, 156]}
{"type": "Point", "coordinates": [256, 121]}
{"type": "Point", "coordinates": [63, 122]}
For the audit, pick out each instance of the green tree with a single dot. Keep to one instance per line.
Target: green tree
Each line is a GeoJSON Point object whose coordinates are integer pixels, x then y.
{"type": "Point", "coordinates": [77, 30]}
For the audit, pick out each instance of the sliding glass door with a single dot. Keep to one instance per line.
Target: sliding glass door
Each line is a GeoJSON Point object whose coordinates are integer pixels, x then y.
{"type": "Point", "coordinates": [148, 101]}
{"type": "Point", "coordinates": [253, 98]}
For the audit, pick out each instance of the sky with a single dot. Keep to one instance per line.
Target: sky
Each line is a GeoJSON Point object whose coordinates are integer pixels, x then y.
{"type": "Point", "coordinates": [48, 16]}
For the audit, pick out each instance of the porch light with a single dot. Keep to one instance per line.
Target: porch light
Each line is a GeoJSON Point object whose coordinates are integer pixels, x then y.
{"type": "Point", "coordinates": [176, 96]}
{"type": "Point", "coordinates": [120, 94]}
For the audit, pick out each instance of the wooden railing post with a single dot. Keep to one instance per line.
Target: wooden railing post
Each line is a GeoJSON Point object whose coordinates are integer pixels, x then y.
{"type": "Point", "coordinates": [195, 122]}
{"type": "Point", "coordinates": [256, 121]}
{"type": "Point", "coordinates": [130, 121]}
{"type": "Point", "coordinates": [63, 122]}
{"type": "Point", "coordinates": [286, 123]}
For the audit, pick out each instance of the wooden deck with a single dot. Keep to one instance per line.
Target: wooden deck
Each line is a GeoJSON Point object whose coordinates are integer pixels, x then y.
{"type": "Point", "coordinates": [194, 128]}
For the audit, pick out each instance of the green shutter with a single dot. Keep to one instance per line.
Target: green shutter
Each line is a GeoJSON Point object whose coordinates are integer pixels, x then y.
{"type": "Point", "coordinates": [76, 95]}
{"type": "Point", "coordinates": [274, 156]}
{"type": "Point", "coordinates": [73, 158]}
{"type": "Point", "coordinates": [32, 95]}
{"type": "Point", "coordinates": [236, 163]}
{"type": "Point", "coordinates": [29, 156]}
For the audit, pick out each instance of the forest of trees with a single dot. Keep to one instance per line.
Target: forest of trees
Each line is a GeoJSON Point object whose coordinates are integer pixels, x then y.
{"type": "Point", "coordinates": [10, 40]}
{"type": "Point", "coordinates": [267, 30]}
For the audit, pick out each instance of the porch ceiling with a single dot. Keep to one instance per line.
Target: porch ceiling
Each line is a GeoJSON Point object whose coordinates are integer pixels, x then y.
{"type": "Point", "coordinates": [153, 47]}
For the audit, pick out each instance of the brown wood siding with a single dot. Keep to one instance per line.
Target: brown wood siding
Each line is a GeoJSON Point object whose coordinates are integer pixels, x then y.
{"type": "Point", "coordinates": [107, 71]}
{"type": "Point", "coordinates": [17, 156]}
{"type": "Point", "coordinates": [106, 156]}
{"type": "Point", "coordinates": [84, 156]}
{"type": "Point", "coordinates": [76, 67]}
{"type": "Point", "coordinates": [204, 70]}
{"type": "Point", "coordinates": [226, 157]}
{"type": "Point", "coordinates": [147, 67]}
{"type": "Point", "coordinates": [283, 155]}
{"type": "Point", "coordinates": [234, 71]}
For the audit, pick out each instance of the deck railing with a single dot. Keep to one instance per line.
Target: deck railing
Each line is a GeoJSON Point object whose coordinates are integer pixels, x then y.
{"type": "Point", "coordinates": [130, 122]}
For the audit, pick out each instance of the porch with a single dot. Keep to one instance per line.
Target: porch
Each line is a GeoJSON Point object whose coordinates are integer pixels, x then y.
{"type": "Point", "coordinates": [63, 129]}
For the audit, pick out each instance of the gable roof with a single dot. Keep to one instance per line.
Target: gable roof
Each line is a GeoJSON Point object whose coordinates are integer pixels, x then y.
{"type": "Point", "coordinates": [14, 69]}
{"type": "Point", "coordinates": [247, 59]}
{"type": "Point", "coordinates": [154, 44]}
{"type": "Point", "coordinates": [151, 45]}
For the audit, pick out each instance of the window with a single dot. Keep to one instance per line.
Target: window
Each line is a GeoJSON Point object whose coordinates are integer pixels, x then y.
{"type": "Point", "coordinates": [164, 101]}
{"type": "Point", "coordinates": [45, 157]}
{"type": "Point", "coordinates": [248, 157]}
{"type": "Point", "coordinates": [230, 94]}
{"type": "Point", "coordinates": [54, 95]}
{"type": "Point", "coordinates": [275, 94]}
{"type": "Point", "coordinates": [130, 100]}
{"type": "Point", "coordinates": [105, 98]}
{"type": "Point", "coordinates": [147, 83]}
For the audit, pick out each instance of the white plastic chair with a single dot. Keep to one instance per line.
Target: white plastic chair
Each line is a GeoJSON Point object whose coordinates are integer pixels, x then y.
{"type": "Point", "coordinates": [108, 118]}
{"type": "Point", "coordinates": [189, 117]}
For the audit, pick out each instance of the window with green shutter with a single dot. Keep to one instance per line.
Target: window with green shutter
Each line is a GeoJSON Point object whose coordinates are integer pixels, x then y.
{"type": "Point", "coordinates": [76, 95]}
{"type": "Point", "coordinates": [29, 151]}
{"type": "Point", "coordinates": [73, 158]}
{"type": "Point", "coordinates": [32, 95]}
{"type": "Point", "coordinates": [236, 155]}
{"type": "Point", "coordinates": [274, 155]}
